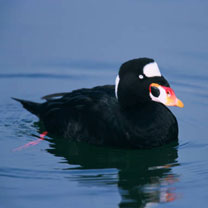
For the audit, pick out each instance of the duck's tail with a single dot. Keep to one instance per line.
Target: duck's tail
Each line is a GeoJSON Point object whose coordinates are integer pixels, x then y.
{"type": "Point", "coordinates": [32, 107]}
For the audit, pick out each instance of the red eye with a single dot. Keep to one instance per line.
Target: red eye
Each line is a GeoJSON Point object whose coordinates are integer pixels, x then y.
{"type": "Point", "coordinates": [168, 92]}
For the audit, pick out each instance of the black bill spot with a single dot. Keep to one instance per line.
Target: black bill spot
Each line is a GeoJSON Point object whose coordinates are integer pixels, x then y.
{"type": "Point", "coordinates": [155, 91]}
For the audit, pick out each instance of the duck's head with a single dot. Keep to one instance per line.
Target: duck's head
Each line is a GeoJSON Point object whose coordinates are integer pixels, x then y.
{"type": "Point", "coordinates": [140, 82]}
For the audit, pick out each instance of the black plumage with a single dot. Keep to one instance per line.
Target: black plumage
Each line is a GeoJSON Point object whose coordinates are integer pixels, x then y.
{"type": "Point", "coordinates": [96, 116]}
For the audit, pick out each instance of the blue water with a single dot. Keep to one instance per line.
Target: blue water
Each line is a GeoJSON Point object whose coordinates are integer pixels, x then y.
{"type": "Point", "coordinates": [57, 46]}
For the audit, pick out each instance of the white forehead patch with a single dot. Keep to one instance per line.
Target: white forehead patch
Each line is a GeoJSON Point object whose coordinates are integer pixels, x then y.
{"type": "Point", "coordinates": [116, 85]}
{"type": "Point", "coordinates": [151, 70]}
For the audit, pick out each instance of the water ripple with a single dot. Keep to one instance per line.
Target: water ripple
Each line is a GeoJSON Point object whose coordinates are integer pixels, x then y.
{"type": "Point", "coordinates": [38, 75]}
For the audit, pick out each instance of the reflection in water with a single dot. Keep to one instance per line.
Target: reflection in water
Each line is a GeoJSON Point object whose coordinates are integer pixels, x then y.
{"type": "Point", "coordinates": [144, 176]}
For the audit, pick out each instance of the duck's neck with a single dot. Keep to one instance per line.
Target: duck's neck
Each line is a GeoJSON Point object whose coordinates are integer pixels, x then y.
{"type": "Point", "coordinates": [131, 102]}
{"type": "Point", "coordinates": [129, 106]}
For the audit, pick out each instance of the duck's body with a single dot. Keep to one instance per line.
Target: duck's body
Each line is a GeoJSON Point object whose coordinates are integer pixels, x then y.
{"type": "Point", "coordinates": [96, 116]}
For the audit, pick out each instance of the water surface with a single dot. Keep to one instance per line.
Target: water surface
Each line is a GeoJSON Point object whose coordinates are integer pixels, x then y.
{"type": "Point", "coordinates": [56, 46]}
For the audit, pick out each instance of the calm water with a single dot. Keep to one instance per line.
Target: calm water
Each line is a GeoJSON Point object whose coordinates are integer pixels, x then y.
{"type": "Point", "coordinates": [56, 46]}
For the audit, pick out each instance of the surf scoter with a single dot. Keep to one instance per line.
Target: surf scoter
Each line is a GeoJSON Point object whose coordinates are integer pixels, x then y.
{"type": "Point", "coordinates": [130, 114]}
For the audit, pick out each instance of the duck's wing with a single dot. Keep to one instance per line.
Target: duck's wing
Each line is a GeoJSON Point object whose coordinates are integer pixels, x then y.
{"type": "Point", "coordinates": [54, 95]}
{"type": "Point", "coordinates": [77, 111]}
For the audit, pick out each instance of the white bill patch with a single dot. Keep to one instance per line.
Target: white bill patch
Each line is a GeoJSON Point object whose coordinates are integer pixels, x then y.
{"type": "Point", "coordinates": [152, 70]}
{"type": "Point", "coordinates": [116, 85]}
{"type": "Point", "coordinates": [162, 98]}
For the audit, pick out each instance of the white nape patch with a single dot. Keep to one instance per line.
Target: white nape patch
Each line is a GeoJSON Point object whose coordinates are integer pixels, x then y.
{"type": "Point", "coordinates": [162, 98]}
{"type": "Point", "coordinates": [116, 85]}
{"type": "Point", "coordinates": [152, 70]}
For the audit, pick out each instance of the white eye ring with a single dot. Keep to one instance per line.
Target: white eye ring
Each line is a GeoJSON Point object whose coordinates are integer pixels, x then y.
{"type": "Point", "coordinates": [141, 76]}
